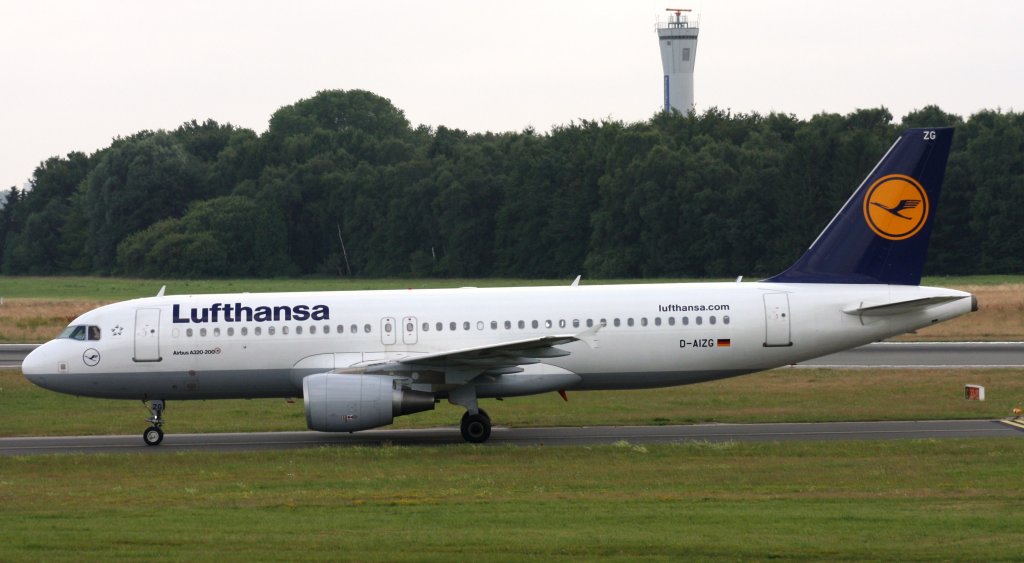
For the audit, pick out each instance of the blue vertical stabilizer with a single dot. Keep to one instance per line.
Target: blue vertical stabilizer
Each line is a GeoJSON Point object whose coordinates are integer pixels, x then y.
{"type": "Point", "coordinates": [881, 234]}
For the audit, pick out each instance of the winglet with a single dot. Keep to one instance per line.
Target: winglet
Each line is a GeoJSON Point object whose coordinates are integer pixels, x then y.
{"type": "Point", "coordinates": [161, 292]}
{"type": "Point", "coordinates": [576, 282]}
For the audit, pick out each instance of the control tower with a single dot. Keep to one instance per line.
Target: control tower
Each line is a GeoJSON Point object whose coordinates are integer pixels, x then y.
{"type": "Point", "coordinates": [678, 41]}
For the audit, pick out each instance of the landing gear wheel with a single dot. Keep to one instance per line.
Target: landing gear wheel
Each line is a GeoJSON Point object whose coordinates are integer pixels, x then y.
{"type": "Point", "coordinates": [153, 436]}
{"type": "Point", "coordinates": [476, 428]}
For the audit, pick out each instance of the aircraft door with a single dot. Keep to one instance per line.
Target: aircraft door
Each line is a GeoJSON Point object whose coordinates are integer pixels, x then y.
{"type": "Point", "coordinates": [388, 334]}
{"type": "Point", "coordinates": [147, 335]}
{"type": "Point", "coordinates": [776, 319]}
{"type": "Point", "coordinates": [409, 334]}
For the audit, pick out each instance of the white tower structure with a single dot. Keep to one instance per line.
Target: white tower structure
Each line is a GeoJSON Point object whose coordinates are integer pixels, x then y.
{"type": "Point", "coordinates": [678, 40]}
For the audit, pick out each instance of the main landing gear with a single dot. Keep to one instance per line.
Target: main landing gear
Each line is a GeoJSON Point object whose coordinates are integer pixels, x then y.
{"type": "Point", "coordinates": [476, 428]}
{"type": "Point", "coordinates": [154, 434]}
{"type": "Point", "coordinates": [476, 425]}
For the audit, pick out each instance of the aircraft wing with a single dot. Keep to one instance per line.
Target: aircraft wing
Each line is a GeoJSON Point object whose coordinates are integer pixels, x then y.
{"type": "Point", "coordinates": [461, 365]}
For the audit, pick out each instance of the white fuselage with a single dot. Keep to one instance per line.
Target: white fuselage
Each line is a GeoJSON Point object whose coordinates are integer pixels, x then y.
{"type": "Point", "coordinates": [245, 345]}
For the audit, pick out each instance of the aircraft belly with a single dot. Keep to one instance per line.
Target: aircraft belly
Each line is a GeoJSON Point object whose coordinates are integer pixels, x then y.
{"type": "Point", "coordinates": [228, 384]}
{"type": "Point", "coordinates": [645, 380]}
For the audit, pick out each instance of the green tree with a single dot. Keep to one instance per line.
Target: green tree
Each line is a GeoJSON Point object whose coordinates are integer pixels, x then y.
{"type": "Point", "coordinates": [136, 182]}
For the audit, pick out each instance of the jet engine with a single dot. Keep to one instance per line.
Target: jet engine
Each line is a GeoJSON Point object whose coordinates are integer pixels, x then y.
{"type": "Point", "coordinates": [342, 402]}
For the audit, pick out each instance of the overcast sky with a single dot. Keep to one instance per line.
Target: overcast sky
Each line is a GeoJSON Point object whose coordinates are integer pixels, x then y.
{"type": "Point", "coordinates": [75, 74]}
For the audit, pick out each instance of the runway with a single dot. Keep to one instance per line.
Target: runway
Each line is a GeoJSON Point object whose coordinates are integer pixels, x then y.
{"type": "Point", "coordinates": [582, 436]}
{"type": "Point", "coordinates": [935, 355]}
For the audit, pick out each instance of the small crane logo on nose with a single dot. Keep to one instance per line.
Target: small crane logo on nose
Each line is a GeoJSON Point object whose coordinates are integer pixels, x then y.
{"type": "Point", "coordinates": [91, 357]}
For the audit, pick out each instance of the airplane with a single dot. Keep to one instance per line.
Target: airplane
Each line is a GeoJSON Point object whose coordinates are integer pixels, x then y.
{"type": "Point", "coordinates": [361, 358]}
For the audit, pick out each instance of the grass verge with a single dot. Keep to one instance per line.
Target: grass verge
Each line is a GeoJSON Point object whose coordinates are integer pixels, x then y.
{"type": "Point", "coordinates": [783, 395]}
{"type": "Point", "coordinates": [899, 500]}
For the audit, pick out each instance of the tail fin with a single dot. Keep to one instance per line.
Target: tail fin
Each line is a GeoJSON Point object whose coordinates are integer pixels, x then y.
{"type": "Point", "coordinates": [881, 234]}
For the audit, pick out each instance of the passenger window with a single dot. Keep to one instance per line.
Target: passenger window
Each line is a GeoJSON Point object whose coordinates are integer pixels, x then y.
{"type": "Point", "coordinates": [686, 321]}
{"type": "Point", "coordinates": [387, 327]}
{"type": "Point", "coordinates": [617, 322]}
{"type": "Point", "coordinates": [341, 329]}
{"type": "Point", "coordinates": [284, 329]}
{"type": "Point", "coordinates": [604, 322]}
{"type": "Point", "coordinates": [700, 320]}
{"type": "Point", "coordinates": [575, 323]}
{"type": "Point", "coordinates": [452, 325]}
{"type": "Point", "coordinates": [508, 325]}
{"type": "Point", "coordinates": [711, 319]}
{"type": "Point", "coordinates": [671, 321]}
{"type": "Point", "coordinates": [270, 331]}
{"type": "Point", "coordinates": [409, 327]}
{"type": "Point", "coordinates": [629, 321]}
{"type": "Point", "coordinates": [465, 325]}
{"type": "Point", "coordinates": [590, 323]}
{"type": "Point", "coordinates": [367, 329]}
{"type": "Point", "coordinates": [202, 332]}
{"type": "Point", "coordinates": [426, 327]}
{"type": "Point", "coordinates": [257, 331]}
{"type": "Point", "coordinates": [244, 331]}
{"type": "Point", "coordinates": [534, 324]}
{"type": "Point", "coordinates": [298, 329]}
{"type": "Point", "coordinates": [231, 331]}
{"type": "Point", "coordinates": [561, 323]}
{"type": "Point", "coordinates": [312, 329]}
{"type": "Point", "coordinates": [188, 332]}
{"type": "Point", "coordinates": [479, 325]}
{"type": "Point", "coordinates": [216, 332]}
{"type": "Point", "coordinates": [353, 329]}
{"type": "Point", "coordinates": [522, 324]}
{"type": "Point", "coordinates": [494, 325]}
{"type": "Point", "coordinates": [657, 321]}
{"type": "Point", "coordinates": [725, 319]}
{"type": "Point", "coordinates": [439, 326]}
{"type": "Point", "coordinates": [547, 323]}
{"type": "Point", "coordinates": [643, 321]}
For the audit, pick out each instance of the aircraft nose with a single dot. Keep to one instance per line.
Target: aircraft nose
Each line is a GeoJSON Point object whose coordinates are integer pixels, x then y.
{"type": "Point", "coordinates": [35, 367]}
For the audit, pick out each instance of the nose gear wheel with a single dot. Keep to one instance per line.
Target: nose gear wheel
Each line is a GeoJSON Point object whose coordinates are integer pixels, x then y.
{"type": "Point", "coordinates": [154, 434]}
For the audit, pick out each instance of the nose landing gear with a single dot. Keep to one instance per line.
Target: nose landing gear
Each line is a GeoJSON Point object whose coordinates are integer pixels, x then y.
{"type": "Point", "coordinates": [154, 434]}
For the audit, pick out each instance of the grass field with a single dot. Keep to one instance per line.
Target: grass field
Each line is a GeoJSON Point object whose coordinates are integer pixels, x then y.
{"type": "Point", "coordinates": [898, 500]}
{"type": "Point", "coordinates": [36, 309]}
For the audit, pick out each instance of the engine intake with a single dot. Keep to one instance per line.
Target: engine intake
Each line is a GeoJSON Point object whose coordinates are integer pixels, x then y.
{"type": "Point", "coordinates": [351, 402]}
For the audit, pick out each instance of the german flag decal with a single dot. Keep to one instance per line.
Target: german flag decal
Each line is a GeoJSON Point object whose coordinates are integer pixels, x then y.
{"type": "Point", "coordinates": [724, 342]}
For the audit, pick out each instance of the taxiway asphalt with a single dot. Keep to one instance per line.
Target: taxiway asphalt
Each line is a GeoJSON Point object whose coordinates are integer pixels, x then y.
{"type": "Point", "coordinates": [568, 436]}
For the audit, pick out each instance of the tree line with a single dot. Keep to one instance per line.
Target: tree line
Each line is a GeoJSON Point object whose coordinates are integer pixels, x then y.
{"type": "Point", "coordinates": [342, 184]}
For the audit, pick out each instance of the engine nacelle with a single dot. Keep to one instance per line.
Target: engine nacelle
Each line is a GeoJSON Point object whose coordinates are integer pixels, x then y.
{"type": "Point", "coordinates": [341, 402]}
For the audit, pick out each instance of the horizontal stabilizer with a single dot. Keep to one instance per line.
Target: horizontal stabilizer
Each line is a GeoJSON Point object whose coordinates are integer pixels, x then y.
{"type": "Point", "coordinates": [901, 306]}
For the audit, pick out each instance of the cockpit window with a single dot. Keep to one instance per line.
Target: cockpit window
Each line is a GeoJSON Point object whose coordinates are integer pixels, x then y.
{"type": "Point", "coordinates": [81, 332]}
{"type": "Point", "coordinates": [74, 332]}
